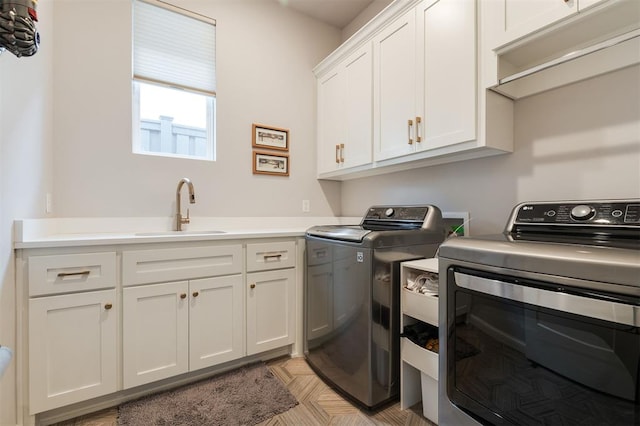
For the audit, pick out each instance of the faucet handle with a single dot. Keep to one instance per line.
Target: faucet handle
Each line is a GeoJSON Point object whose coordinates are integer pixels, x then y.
{"type": "Point", "coordinates": [186, 219]}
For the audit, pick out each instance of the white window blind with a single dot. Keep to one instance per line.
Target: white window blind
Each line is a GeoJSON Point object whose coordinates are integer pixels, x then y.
{"type": "Point", "coordinates": [173, 46]}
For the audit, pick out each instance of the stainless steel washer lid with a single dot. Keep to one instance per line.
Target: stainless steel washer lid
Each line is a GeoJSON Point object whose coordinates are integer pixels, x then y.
{"type": "Point", "coordinates": [352, 233]}
{"type": "Point", "coordinates": [586, 262]}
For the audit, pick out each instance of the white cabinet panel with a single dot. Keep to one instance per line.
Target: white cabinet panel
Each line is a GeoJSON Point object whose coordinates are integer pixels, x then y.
{"type": "Point", "coordinates": [72, 348]}
{"type": "Point", "coordinates": [358, 98]}
{"type": "Point", "coordinates": [155, 332]}
{"type": "Point", "coordinates": [524, 16]}
{"type": "Point", "coordinates": [170, 264]}
{"type": "Point", "coordinates": [216, 314]}
{"type": "Point", "coordinates": [71, 272]}
{"type": "Point", "coordinates": [272, 255]}
{"type": "Point", "coordinates": [446, 84]}
{"type": "Point", "coordinates": [331, 110]}
{"type": "Point", "coordinates": [345, 113]}
{"type": "Point", "coordinates": [394, 88]}
{"type": "Point", "coordinates": [271, 302]}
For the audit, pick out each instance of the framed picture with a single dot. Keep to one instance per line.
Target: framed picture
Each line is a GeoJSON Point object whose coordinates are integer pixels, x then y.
{"type": "Point", "coordinates": [266, 163]}
{"type": "Point", "coordinates": [270, 137]}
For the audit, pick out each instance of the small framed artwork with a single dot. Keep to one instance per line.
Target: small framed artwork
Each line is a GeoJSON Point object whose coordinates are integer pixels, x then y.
{"type": "Point", "coordinates": [270, 137]}
{"type": "Point", "coordinates": [265, 163]}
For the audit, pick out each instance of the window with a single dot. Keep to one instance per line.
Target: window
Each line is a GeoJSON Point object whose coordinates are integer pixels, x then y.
{"type": "Point", "coordinates": [174, 81]}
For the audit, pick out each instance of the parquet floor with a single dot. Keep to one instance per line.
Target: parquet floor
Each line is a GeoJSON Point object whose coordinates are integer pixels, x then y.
{"type": "Point", "coordinates": [319, 404]}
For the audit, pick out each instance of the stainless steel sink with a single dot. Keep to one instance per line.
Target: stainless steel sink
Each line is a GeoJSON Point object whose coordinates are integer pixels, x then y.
{"type": "Point", "coordinates": [176, 233]}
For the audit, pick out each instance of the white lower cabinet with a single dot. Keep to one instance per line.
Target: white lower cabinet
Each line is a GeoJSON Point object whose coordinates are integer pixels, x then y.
{"type": "Point", "coordinates": [271, 302]}
{"type": "Point", "coordinates": [155, 332]}
{"type": "Point", "coordinates": [173, 328]}
{"type": "Point", "coordinates": [72, 348]}
{"type": "Point", "coordinates": [98, 322]}
{"type": "Point", "coordinates": [216, 321]}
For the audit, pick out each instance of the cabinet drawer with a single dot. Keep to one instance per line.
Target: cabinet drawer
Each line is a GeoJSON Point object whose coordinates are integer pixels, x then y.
{"type": "Point", "coordinates": [420, 358]}
{"type": "Point", "coordinates": [71, 273]}
{"type": "Point", "coordinates": [421, 306]}
{"type": "Point", "coordinates": [267, 256]}
{"type": "Point", "coordinates": [174, 264]}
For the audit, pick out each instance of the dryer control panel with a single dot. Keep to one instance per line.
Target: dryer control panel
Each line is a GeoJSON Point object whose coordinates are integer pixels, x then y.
{"type": "Point", "coordinates": [582, 213]}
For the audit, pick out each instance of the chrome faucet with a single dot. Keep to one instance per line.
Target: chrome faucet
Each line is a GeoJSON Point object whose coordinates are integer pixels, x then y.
{"type": "Point", "coordinates": [192, 200]}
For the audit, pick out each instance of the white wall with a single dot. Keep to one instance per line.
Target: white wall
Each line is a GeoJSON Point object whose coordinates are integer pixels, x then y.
{"type": "Point", "coordinates": [25, 173]}
{"type": "Point", "coordinates": [265, 54]}
{"type": "Point", "coordinates": [577, 142]}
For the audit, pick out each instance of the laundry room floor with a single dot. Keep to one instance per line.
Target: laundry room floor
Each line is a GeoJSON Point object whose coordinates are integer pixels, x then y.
{"type": "Point", "coordinates": [319, 404]}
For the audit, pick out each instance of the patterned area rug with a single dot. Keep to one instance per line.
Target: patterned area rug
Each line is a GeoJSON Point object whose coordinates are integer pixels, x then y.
{"type": "Point", "coordinates": [246, 396]}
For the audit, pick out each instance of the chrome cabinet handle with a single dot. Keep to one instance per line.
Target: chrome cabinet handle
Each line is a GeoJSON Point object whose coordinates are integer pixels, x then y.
{"type": "Point", "coordinates": [410, 125]}
{"type": "Point", "coordinates": [418, 122]}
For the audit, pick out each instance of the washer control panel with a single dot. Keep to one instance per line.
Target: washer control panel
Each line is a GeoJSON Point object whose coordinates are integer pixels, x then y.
{"type": "Point", "coordinates": [395, 213]}
{"type": "Point", "coordinates": [597, 213]}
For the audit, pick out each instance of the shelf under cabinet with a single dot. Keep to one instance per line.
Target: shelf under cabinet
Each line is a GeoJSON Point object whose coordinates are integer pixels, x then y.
{"type": "Point", "coordinates": [419, 366]}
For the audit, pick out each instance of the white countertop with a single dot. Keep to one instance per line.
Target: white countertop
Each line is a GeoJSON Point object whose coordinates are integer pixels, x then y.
{"type": "Point", "coordinates": [71, 232]}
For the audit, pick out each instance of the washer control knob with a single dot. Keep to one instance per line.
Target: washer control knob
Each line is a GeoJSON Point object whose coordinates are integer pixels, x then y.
{"type": "Point", "coordinates": [582, 212]}
{"type": "Point", "coordinates": [389, 212]}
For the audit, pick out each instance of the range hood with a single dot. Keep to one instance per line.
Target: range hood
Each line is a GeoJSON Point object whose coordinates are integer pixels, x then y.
{"type": "Point", "coordinates": [593, 43]}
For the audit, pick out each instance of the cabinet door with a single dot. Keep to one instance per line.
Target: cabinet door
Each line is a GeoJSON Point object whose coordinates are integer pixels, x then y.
{"type": "Point", "coordinates": [271, 302]}
{"type": "Point", "coordinates": [394, 87]}
{"type": "Point", "coordinates": [331, 121]}
{"type": "Point", "coordinates": [216, 318]}
{"type": "Point", "coordinates": [155, 325]}
{"type": "Point", "coordinates": [446, 49]}
{"type": "Point", "coordinates": [522, 17]}
{"type": "Point", "coordinates": [72, 348]}
{"type": "Point", "coordinates": [358, 101]}
{"type": "Point", "coordinates": [345, 98]}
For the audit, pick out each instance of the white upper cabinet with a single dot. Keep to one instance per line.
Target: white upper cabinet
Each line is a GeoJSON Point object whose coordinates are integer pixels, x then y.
{"type": "Point", "coordinates": [344, 113]}
{"type": "Point", "coordinates": [425, 79]}
{"type": "Point", "coordinates": [394, 93]}
{"type": "Point", "coordinates": [522, 17]}
{"type": "Point", "coordinates": [446, 69]}
{"type": "Point", "coordinates": [531, 46]}
{"type": "Point", "coordinates": [426, 103]}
